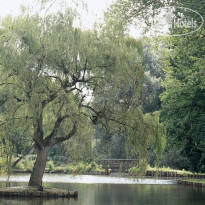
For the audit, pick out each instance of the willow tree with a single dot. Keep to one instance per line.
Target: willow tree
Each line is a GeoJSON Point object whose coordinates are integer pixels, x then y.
{"type": "Point", "coordinates": [140, 132]}
{"type": "Point", "coordinates": [51, 74]}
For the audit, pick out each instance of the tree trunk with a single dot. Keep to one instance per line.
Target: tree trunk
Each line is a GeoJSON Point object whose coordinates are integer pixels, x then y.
{"type": "Point", "coordinates": [39, 167]}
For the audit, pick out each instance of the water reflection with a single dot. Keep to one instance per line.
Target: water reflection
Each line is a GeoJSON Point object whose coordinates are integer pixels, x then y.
{"type": "Point", "coordinates": [116, 194]}
{"type": "Point", "coordinates": [36, 201]}
{"type": "Point", "coordinates": [88, 179]}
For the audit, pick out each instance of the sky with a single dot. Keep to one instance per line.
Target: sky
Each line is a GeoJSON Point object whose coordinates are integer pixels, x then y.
{"type": "Point", "coordinates": [95, 9]}
{"type": "Point", "coordinates": [94, 12]}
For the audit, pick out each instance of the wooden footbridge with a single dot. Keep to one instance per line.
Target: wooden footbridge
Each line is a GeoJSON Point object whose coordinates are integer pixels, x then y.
{"type": "Point", "coordinates": [117, 165]}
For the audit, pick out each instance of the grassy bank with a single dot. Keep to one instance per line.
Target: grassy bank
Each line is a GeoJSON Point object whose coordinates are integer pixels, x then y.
{"type": "Point", "coordinates": [135, 170]}
{"type": "Point", "coordinates": [26, 166]}
{"type": "Point", "coordinates": [200, 181]}
{"type": "Point", "coordinates": [168, 169]}
{"type": "Point", "coordinates": [74, 168]}
{"type": "Point", "coordinates": [164, 172]}
{"type": "Point", "coordinates": [51, 167]}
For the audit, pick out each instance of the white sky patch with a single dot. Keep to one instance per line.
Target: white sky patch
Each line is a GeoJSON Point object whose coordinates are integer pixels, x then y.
{"type": "Point", "coordinates": [10, 7]}
{"type": "Point", "coordinates": [93, 13]}
{"type": "Point", "coordinates": [96, 10]}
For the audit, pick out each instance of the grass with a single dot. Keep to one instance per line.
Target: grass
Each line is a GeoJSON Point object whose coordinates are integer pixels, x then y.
{"type": "Point", "coordinates": [201, 181]}
{"type": "Point", "coordinates": [168, 169]}
{"type": "Point", "coordinates": [135, 170]}
{"type": "Point", "coordinates": [26, 164]}
{"type": "Point", "coordinates": [75, 168]}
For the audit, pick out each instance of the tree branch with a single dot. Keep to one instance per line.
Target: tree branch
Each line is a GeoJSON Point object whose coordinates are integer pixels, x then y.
{"type": "Point", "coordinates": [21, 157]}
{"type": "Point", "coordinates": [61, 139]}
{"type": "Point", "coordinates": [38, 132]}
{"type": "Point", "coordinates": [58, 122]}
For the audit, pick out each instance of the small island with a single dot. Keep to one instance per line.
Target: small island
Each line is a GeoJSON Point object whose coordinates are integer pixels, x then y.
{"type": "Point", "coordinates": [35, 192]}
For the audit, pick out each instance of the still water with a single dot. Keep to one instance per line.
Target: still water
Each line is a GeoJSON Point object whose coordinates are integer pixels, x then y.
{"type": "Point", "coordinates": [100, 190]}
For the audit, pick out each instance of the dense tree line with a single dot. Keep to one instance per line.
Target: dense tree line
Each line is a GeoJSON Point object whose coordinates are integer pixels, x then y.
{"type": "Point", "coordinates": [183, 102]}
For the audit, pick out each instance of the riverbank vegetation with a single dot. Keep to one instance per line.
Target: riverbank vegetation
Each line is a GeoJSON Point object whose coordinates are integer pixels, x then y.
{"type": "Point", "coordinates": [200, 181]}
{"type": "Point", "coordinates": [157, 170]}
{"type": "Point", "coordinates": [74, 168]}
{"type": "Point", "coordinates": [26, 166]}
{"type": "Point", "coordinates": [77, 167]}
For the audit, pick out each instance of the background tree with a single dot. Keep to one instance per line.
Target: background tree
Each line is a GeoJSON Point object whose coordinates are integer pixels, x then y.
{"type": "Point", "coordinates": [183, 100]}
{"type": "Point", "coordinates": [130, 101]}
{"type": "Point", "coordinates": [153, 77]}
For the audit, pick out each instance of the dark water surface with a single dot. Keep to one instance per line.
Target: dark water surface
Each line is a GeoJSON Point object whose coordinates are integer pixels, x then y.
{"type": "Point", "coordinates": [115, 194]}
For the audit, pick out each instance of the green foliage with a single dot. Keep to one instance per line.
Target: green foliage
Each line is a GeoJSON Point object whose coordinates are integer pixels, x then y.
{"type": "Point", "coordinates": [50, 166]}
{"type": "Point", "coordinates": [25, 164]}
{"type": "Point", "coordinates": [21, 166]}
{"type": "Point", "coordinates": [168, 169]}
{"type": "Point", "coordinates": [134, 171]}
{"type": "Point", "coordinates": [72, 168]}
{"type": "Point", "coordinates": [2, 166]}
{"type": "Point", "coordinates": [183, 100]}
{"type": "Point", "coordinates": [146, 131]}
{"type": "Point", "coordinates": [108, 145]}
{"type": "Point", "coordinates": [173, 156]}
{"type": "Point", "coordinates": [140, 169]}
{"type": "Point", "coordinates": [6, 155]}
{"type": "Point", "coordinates": [153, 78]}
{"type": "Point", "coordinates": [80, 147]}
{"type": "Point", "coordinates": [83, 168]}
{"type": "Point", "coordinates": [45, 59]}
{"type": "Point", "coordinates": [138, 172]}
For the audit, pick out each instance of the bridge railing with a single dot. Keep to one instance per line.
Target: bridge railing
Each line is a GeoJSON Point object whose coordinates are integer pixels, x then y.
{"type": "Point", "coordinates": [117, 165]}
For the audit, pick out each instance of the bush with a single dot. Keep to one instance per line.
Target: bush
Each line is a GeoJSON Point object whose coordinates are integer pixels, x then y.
{"type": "Point", "coordinates": [20, 165]}
{"type": "Point", "coordinates": [50, 166]}
{"type": "Point", "coordinates": [134, 171]}
{"type": "Point", "coordinates": [73, 168]}
{"type": "Point", "coordinates": [2, 165]}
{"type": "Point", "coordinates": [24, 165]}
{"type": "Point", "coordinates": [83, 168]}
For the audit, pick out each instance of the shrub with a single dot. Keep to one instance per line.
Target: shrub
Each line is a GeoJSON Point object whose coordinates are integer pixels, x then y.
{"type": "Point", "coordinates": [82, 168]}
{"type": "Point", "coordinates": [20, 165]}
{"type": "Point", "coordinates": [50, 166]}
{"type": "Point", "coordinates": [134, 171]}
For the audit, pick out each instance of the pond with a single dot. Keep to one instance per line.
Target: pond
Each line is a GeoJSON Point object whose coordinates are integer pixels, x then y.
{"type": "Point", "coordinates": [103, 190]}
